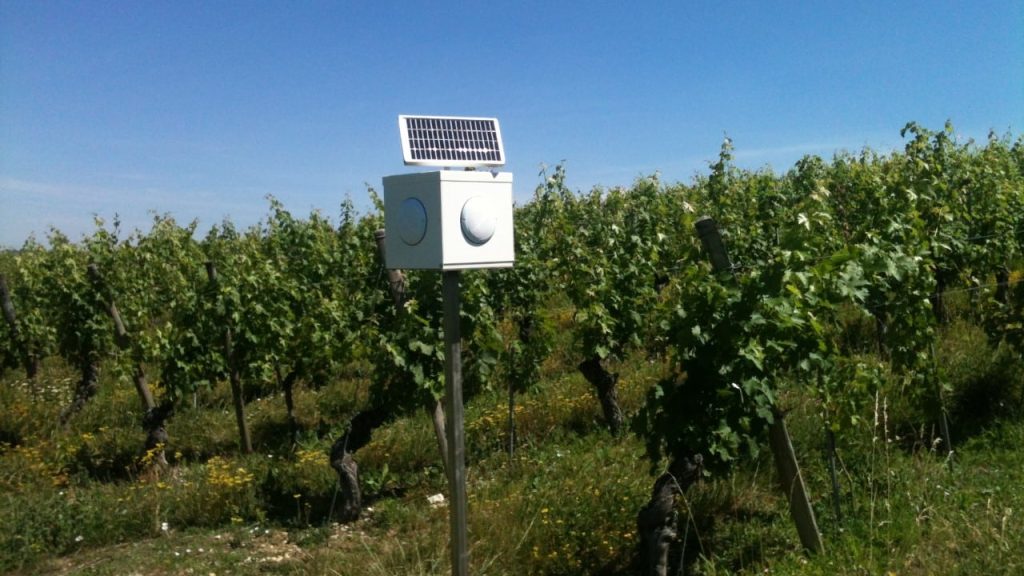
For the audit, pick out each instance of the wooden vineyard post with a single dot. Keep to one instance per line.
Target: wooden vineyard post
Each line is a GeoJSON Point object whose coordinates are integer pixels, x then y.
{"type": "Point", "coordinates": [153, 419]}
{"type": "Point", "coordinates": [778, 436]}
{"type": "Point", "coordinates": [396, 285]}
{"type": "Point", "coordinates": [396, 280]}
{"type": "Point", "coordinates": [837, 509]}
{"type": "Point", "coordinates": [707, 231]}
{"type": "Point", "coordinates": [943, 415]}
{"type": "Point", "coordinates": [124, 342]}
{"type": "Point", "coordinates": [28, 358]}
{"type": "Point", "coordinates": [233, 377]}
{"type": "Point", "coordinates": [456, 436]}
{"type": "Point", "coordinates": [793, 485]}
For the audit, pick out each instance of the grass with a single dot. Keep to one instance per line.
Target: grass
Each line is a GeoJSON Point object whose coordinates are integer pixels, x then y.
{"type": "Point", "coordinates": [83, 501]}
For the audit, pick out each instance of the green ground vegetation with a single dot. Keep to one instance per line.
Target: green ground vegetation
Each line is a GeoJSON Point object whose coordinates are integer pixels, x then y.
{"type": "Point", "coordinates": [84, 501]}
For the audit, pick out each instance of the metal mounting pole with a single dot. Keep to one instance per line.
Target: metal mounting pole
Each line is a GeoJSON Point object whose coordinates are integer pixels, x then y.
{"type": "Point", "coordinates": [456, 438]}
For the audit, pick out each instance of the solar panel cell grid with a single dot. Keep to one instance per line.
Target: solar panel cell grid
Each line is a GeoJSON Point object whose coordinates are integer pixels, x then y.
{"type": "Point", "coordinates": [451, 141]}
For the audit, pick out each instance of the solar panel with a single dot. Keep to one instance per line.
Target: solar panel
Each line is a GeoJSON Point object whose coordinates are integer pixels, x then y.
{"type": "Point", "coordinates": [451, 141]}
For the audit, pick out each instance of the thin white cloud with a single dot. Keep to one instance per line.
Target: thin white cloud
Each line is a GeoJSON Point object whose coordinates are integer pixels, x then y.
{"type": "Point", "coordinates": [795, 151]}
{"type": "Point", "coordinates": [14, 186]}
{"type": "Point", "coordinates": [142, 197]}
{"type": "Point", "coordinates": [33, 207]}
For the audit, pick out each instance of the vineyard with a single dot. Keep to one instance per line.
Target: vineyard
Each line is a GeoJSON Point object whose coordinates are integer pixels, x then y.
{"type": "Point", "coordinates": [660, 360]}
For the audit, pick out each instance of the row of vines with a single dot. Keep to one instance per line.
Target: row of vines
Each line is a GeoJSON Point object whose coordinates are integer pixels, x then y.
{"type": "Point", "coordinates": [876, 239]}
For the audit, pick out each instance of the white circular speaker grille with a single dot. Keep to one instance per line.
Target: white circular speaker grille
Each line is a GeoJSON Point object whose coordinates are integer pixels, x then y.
{"type": "Point", "coordinates": [478, 220]}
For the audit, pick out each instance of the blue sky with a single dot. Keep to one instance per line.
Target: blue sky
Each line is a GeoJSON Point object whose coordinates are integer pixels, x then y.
{"type": "Point", "coordinates": [203, 109]}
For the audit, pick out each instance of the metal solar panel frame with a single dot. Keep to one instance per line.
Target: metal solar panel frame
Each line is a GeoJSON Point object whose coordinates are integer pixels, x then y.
{"type": "Point", "coordinates": [451, 141]}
